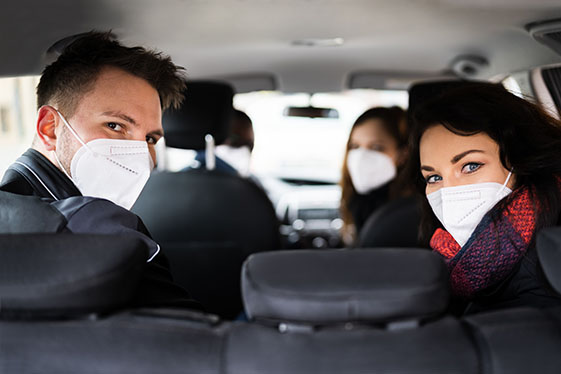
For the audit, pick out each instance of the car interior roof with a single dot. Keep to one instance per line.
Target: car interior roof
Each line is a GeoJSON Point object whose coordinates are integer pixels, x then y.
{"type": "Point", "coordinates": [214, 39]}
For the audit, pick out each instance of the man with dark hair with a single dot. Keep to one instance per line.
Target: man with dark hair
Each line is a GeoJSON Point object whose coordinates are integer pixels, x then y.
{"type": "Point", "coordinates": [234, 154]}
{"type": "Point", "coordinates": [99, 117]}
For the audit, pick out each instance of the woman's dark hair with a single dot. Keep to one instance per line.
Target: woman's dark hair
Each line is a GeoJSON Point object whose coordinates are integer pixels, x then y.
{"type": "Point", "coordinates": [393, 121]}
{"type": "Point", "coordinates": [529, 142]}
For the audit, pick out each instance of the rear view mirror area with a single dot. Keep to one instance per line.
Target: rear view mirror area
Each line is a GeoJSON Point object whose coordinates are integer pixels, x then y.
{"type": "Point", "coordinates": [311, 112]}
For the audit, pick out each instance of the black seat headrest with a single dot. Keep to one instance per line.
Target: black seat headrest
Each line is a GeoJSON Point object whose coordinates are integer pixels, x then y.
{"type": "Point", "coordinates": [339, 286]}
{"type": "Point", "coordinates": [549, 253]}
{"type": "Point", "coordinates": [64, 275]}
{"type": "Point", "coordinates": [394, 224]}
{"type": "Point", "coordinates": [207, 109]}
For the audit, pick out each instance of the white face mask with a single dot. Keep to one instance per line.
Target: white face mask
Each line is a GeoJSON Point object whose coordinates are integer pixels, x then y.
{"type": "Point", "coordinates": [461, 208]}
{"type": "Point", "coordinates": [239, 158]}
{"type": "Point", "coordinates": [112, 169]}
{"type": "Point", "coordinates": [369, 169]}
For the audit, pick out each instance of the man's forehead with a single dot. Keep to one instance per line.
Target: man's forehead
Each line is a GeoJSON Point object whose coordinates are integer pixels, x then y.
{"type": "Point", "coordinates": [119, 94]}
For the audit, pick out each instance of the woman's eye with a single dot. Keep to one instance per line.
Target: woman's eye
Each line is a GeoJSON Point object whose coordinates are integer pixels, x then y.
{"type": "Point", "coordinates": [114, 126]}
{"type": "Point", "coordinates": [431, 179]}
{"type": "Point", "coordinates": [377, 147]}
{"type": "Point", "coordinates": [151, 140]}
{"type": "Point", "coordinates": [471, 167]}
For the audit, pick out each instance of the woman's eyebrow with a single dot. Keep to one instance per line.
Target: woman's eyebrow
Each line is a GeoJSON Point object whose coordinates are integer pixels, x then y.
{"type": "Point", "coordinates": [459, 156]}
{"type": "Point", "coordinates": [427, 168]}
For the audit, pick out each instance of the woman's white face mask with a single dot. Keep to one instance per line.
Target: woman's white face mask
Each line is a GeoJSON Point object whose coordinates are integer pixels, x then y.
{"type": "Point", "coordinates": [112, 169]}
{"type": "Point", "coordinates": [461, 208]}
{"type": "Point", "coordinates": [369, 169]}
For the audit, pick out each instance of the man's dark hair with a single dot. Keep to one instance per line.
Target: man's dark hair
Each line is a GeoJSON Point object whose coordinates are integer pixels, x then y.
{"type": "Point", "coordinates": [65, 81]}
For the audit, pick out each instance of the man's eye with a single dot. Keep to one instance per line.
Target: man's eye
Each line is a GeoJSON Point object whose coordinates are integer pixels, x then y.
{"type": "Point", "coordinates": [151, 139]}
{"type": "Point", "coordinates": [114, 126]}
{"type": "Point", "coordinates": [431, 179]}
{"type": "Point", "coordinates": [471, 167]}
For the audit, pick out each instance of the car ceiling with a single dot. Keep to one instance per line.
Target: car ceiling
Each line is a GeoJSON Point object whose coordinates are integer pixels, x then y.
{"type": "Point", "coordinates": [244, 38]}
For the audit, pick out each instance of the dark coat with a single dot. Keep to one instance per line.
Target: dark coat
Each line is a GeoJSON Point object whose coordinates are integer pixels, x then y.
{"type": "Point", "coordinates": [34, 175]}
{"type": "Point", "coordinates": [525, 286]}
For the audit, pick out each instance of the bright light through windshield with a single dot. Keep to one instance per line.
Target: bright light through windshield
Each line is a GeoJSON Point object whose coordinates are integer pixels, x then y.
{"type": "Point", "coordinates": [306, 148]}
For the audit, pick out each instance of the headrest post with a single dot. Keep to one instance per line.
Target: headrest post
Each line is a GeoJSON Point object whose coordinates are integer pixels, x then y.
{"type": "Point", "coordinates": [210, 157]}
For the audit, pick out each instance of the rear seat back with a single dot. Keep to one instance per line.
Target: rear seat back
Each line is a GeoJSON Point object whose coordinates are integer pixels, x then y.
{"type": "Point", "coordinates": [66, 275]}
{"type": "Point", "coordinates": [394, 224]}
{"type": "Point", "coordinates": [381, 330]}
{"type": "Point", "coordinates": [206, 221]}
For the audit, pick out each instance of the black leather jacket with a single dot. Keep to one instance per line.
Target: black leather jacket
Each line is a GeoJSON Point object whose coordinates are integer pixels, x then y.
{"type": "Point", "coordinates": [34, 175]}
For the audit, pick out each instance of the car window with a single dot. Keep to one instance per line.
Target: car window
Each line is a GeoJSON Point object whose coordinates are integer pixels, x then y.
{"type": "Point", "coordinates": [17, 117]}
{"type": "Point", "coordinates": [300, 148]}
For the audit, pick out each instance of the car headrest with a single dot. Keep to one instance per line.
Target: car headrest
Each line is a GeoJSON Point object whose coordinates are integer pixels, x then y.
{"type": "Point", "coordinates": [65, 275]}
{"type": "Point", "coordinates": [549, 253]}
{"type": "Point", "coordinates": [340, 286]}
{"type": "Point", "coordinates": [394, 224]}
{"type": "Point", "coordinates": [207, 109]}
{"type": "Point", "coordinates": [427, 90]}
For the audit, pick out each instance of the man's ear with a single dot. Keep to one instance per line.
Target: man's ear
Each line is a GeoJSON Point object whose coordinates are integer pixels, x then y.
{"type": "Point", "coordinates": [47, 119]}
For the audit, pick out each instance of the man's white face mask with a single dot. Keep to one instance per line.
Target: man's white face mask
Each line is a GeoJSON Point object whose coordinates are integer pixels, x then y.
{"type": "Point", "coordinates": [369, 169]}
{"type": "Point", "coordinates": [239, 158]}
{"type": "Point", "coordinates": [112, 169]}
{"type": "Point", "coordinates": [461, 208]}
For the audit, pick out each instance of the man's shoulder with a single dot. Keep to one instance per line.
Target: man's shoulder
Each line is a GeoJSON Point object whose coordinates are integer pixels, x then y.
{"type": "Point", "coordinates": [92, 209]}
{"type": "Point", "coordinates": [15, 182]}
{"type": "Point", "coordinates": [25, 214]}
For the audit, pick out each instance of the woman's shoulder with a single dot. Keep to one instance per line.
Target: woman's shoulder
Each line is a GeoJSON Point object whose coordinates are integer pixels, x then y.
{"type": "Point", "coordinates": [525, 287]}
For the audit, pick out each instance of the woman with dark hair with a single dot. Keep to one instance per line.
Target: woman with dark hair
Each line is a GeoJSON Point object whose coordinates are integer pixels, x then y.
{"type": "Point", "coordinates": [375, 153]}
{"type": "Point", "coordinates": [489, 163]}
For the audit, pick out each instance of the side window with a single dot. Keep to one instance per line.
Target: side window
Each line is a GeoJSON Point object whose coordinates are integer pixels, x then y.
{"type": "Point", "coordinates": [17, 117]}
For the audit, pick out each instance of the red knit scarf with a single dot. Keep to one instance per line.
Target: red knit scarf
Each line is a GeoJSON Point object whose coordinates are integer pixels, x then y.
{"type": "Point", "coordinates": [496, 246]}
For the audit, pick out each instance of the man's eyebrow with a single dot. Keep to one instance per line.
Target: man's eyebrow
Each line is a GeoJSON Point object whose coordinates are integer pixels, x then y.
{"type": "Point", "coordinates": [159, 133]}
{"type": "Point", "coordinates": [459, 156]}
{"type": "Point", "coordinates": [122, 116]}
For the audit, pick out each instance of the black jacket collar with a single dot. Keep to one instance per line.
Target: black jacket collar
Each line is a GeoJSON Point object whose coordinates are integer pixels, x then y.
{"type": "Point", "coordinates": [44, 178]}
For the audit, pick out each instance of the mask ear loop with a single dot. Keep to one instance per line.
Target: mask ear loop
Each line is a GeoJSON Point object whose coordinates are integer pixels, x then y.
{"type": "Point", "coordinates": [506, 182]}
{"type": "Point", "coordinates": [76, 136]}
{"type": "Point", "coordinates": [62, 167]}
{"type": "Point", "coordinates": [73, 131]}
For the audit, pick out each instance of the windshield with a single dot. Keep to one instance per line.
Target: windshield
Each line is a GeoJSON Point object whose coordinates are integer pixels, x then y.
{"type": "Point", "coordinates": [300, 148]}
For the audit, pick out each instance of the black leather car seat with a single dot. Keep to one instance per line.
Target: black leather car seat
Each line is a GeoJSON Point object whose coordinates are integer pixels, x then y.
{"type": "Point", "coordinates": [207, 221]}
{"type": "Point", "coordinates": [63, 310]}
{"type": "Point", "coordinates": [394, 224]}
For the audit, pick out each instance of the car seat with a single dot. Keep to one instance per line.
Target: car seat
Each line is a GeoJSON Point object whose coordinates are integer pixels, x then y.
{"type": "Point", "coordinates": [394, 224]}
{"type": "Point", "coordinates": [64, 310]}
{"type": "Point", "coordinates": [206, 221]}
